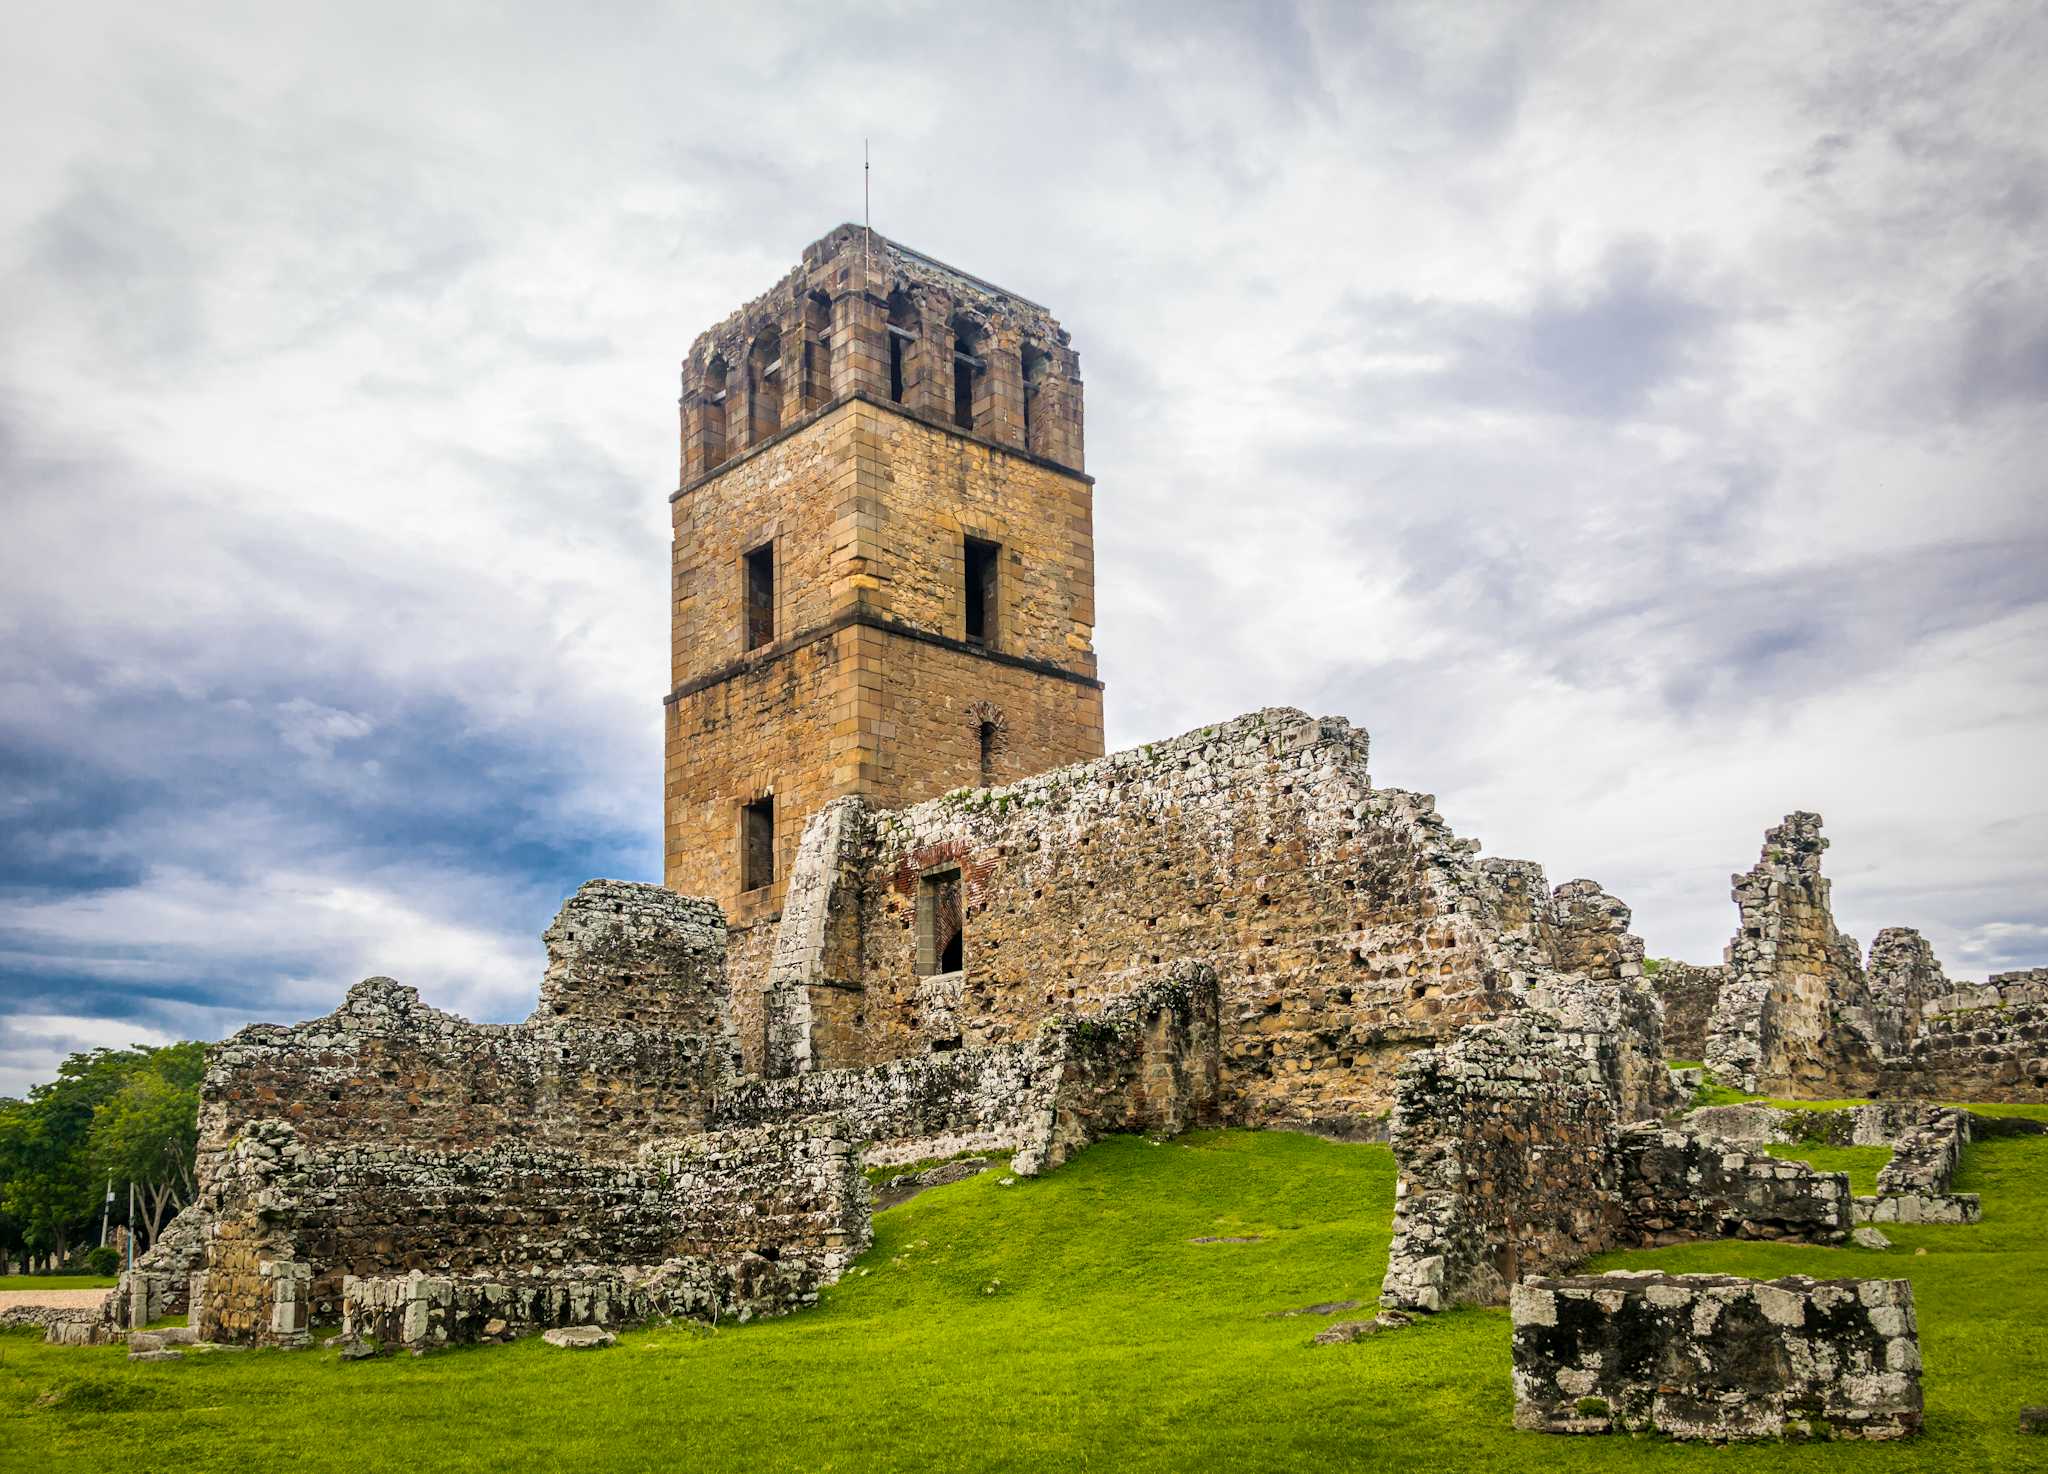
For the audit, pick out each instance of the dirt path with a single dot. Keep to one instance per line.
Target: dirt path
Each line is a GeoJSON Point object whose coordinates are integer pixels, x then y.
{"type": "Point", "coordinates": [56, 1299]}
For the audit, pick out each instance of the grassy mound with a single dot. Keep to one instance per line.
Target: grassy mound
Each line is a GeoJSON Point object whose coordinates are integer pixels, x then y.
{"type": "Point", "coordinates": [1067, 1323]}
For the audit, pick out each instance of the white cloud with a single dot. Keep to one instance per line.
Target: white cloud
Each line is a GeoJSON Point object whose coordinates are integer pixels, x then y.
{"type": "Point", "coordinates": [1632, 421]}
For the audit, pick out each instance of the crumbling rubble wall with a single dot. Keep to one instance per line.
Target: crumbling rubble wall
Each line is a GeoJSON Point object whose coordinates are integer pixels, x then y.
{"type": "Point", "coordinates": [760, 1217]}
{"type": "Point", "coordinates": [1680, 1185]}
{"type": "Point", "coordinates": [1688, 993]}
{"type": "Point", "coordinates": [629, 1042]}
{"type": "Point", "coordinates": [1146, 1061]}
{"type": "Point", "coordinates": [1347, 925]}
{"type": "Point", "coordinates": [1796, 1017]}
{"type": "Point", "coordinates": [1516, 1158]}
{"type": "Point", "coordinates": [1708, 1356]}
{"type": "Point", "coordinates": [1503, 1138]}
{"type": "Point", "coordinates": [1981, 1042]}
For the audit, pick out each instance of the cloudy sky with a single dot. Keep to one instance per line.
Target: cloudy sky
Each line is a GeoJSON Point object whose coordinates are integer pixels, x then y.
{"type": "Point", "coordinates": [1632, 415]}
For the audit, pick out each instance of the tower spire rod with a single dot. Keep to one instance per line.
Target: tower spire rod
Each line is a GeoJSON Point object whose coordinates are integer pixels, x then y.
{"type": "Point", "coordinates": [867, 228]}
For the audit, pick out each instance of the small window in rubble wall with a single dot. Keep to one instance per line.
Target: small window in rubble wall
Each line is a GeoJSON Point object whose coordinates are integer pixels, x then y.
{"type": "Point", "coordinates": [979, 561]}
{"type": "Point", "coordinates": [760, 627]}
{"type": "Point", "coordinates": [757, 844]}
{"type": "Point", "coordinates": [941, 943]}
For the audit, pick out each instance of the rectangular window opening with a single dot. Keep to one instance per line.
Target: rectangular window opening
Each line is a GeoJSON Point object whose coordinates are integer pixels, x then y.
{"type": "Point", "coordinates": [757, 844]}
{"type": "Point", "coordinates": [895, 368]}
{"type": "Point", "coordinates": [980, 565]}
{"type": "Point", "coordinates": [761, 596]}
{"type": "Point", "coordinates": [941, 930]}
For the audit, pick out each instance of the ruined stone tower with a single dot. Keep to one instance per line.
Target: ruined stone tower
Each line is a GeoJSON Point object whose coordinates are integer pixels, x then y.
{"type": "Point", "coordinates": [884, 574]}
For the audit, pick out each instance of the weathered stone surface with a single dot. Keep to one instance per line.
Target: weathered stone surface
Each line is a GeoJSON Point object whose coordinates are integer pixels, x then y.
{"type": "Point", "coordinates": [1347, 925]}
{"type": "Point", "coordinates": [1146, 1059]}
{"type": "Point", "coordinates": [1687, 994]}
{"type": "Point", "coordinates": [1796, 1016]}
{"type": "Point", "coordinates": [1870, 1238]}
{"type": "Point", "coordinates": [1514, 1160]}
{"type": "Point", "coordinates": [157, 1355]}
{"type": "Point", "coordinates": [819, 423]}
{"type": "Point", "coordinates": [579, 1338]}
{"type": "Point", "coordinates": [2034, 1420]}
{"type": "Point", "coordinates": [1698, 1356]}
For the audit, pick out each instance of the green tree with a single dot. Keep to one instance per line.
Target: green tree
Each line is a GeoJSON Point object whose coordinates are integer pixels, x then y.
{"type": "Point", "coordinates": [129, 1114]}
{"type": "Point", "coordinates": [46, 1178]}
{"type": "Point", "coordinates": [147, 1132]}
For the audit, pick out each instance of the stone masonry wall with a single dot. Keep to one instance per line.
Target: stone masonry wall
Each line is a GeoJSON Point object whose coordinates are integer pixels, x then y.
{"type": "Point", "coordinates": [1701, 1356]}
{"type": "Point", "coordinates": [1688, 994]}
{"type": "Point", "coordinates": [766, 1214]}
{"type": "Point", "coordinates": [1680, 1185]}
{"type": "Point", "coordinates": [1985, 1042]}
{"type": "Point", "coordinates": [629, 1042]}
{"type": "Point", "coordinates": [1347, 925]}
{"type": "Point", "coordinates": [1797, 1016]}
{"type": "Point", "coordinates": [1504, 1141]}
{"type": "Point", "coordinates": [1515, 1159]}
{"type": "Point", "coordinates": [1147, 1061]}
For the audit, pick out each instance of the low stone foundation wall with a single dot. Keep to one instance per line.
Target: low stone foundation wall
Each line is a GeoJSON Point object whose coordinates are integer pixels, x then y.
{"type": "Point", "coordinates": [418, 1311]}
{"type": "Point", "coordinates": [1513, 1162]}
{"type": "Point", "coordinates": [1676, 1186]}
{"type": "Point", "coordinates": [789, 1196]}
{"type": "Point", "coordinates": [1701, 1356]}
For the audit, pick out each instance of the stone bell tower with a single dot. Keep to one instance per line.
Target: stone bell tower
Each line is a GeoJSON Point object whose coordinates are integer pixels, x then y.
{"type": "Point", "coordinates": [884, 564]}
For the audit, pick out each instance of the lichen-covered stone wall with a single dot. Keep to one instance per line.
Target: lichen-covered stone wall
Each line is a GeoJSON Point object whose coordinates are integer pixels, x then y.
{"type": "Point", "coordinates": [1704, 1356]}
{"type": "Point", "coordinates": [1986, 1042]}
{"type": "Point", "coordinates": [1504, 1138]}
{"type": "Point", "coordinates": [1516, 1158]}
{"type": "Point", "coordinates": [789, 1196]}
{"type": "Point", "coordinates": [1347, 925]}
{"type": "Point", "coordinates": [1688, 993]}
{"type": "Point", "coordinates": [1146, 1061]}
{"type": "Point", "coordinates": [629, 1042]}
{"type": "Point", "coordinates": [1796, 1016]}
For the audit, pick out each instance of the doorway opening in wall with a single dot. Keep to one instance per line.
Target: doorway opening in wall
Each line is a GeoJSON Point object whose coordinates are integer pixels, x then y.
{"type": "Point", "coordinates": [761, 596]}
{"type": "Point", "coordinates": [757, 844]}
{"type": "Point", "coordinates": [979, 562]}
{"type": "Point", "coordinates": [941, 929]}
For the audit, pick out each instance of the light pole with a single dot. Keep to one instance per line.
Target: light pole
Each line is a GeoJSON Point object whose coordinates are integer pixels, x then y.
{"type": "Point", "coordinates": [107, 1213]}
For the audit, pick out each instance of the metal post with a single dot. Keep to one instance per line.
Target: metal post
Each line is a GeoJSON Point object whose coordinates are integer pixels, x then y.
{"type": "Point", "coordinates": [107, 1213]}
{"type": "Point", "coordinates": [131, 1227]}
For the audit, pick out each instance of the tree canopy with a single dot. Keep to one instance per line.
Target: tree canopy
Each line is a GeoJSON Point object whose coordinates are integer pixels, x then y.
{"type": "Point", "coordinates": [129, 1115]}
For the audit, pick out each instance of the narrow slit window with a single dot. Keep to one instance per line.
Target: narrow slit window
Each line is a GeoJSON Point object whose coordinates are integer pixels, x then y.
{"type": "Point", "coordinates": [761, 596]}
{"type": "Point", "coordinates": [988, 754]}
{"type": "Point", "coordinates": [895, 368]}
{"type": "Point", "coordinates": [941, 929]}
{"type": "Point", "coordinates": [980, 567]}
{"type": "Point", "coordinates": [967, 369]}
{"type": "Point", "coordinates": [757, 844]}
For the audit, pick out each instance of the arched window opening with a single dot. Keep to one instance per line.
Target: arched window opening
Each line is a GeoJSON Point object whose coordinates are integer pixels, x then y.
{"type": "Point", "coordinates": [987, 734]}
{"type": "Point", "coordinates": [968, 367]}
{"type": "Point", "coordinates": [712, 412]}
{"type": "Point", "coordinates": [817, 350]}
{"type": "Point", "coordinates": [1036, 363]}
{"type": "Point", "coordinates": [764, 385]}
{"type": "Point", "coordinates": [903, 334]}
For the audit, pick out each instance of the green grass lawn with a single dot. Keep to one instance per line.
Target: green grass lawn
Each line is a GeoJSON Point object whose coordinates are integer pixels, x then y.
{"type": "Point", "coordinates": [55, 1282]}
{"type": "Point", "coordinates": [1064, 1323]}
{"type": "Point", "coordinates": [1862, 1163]}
